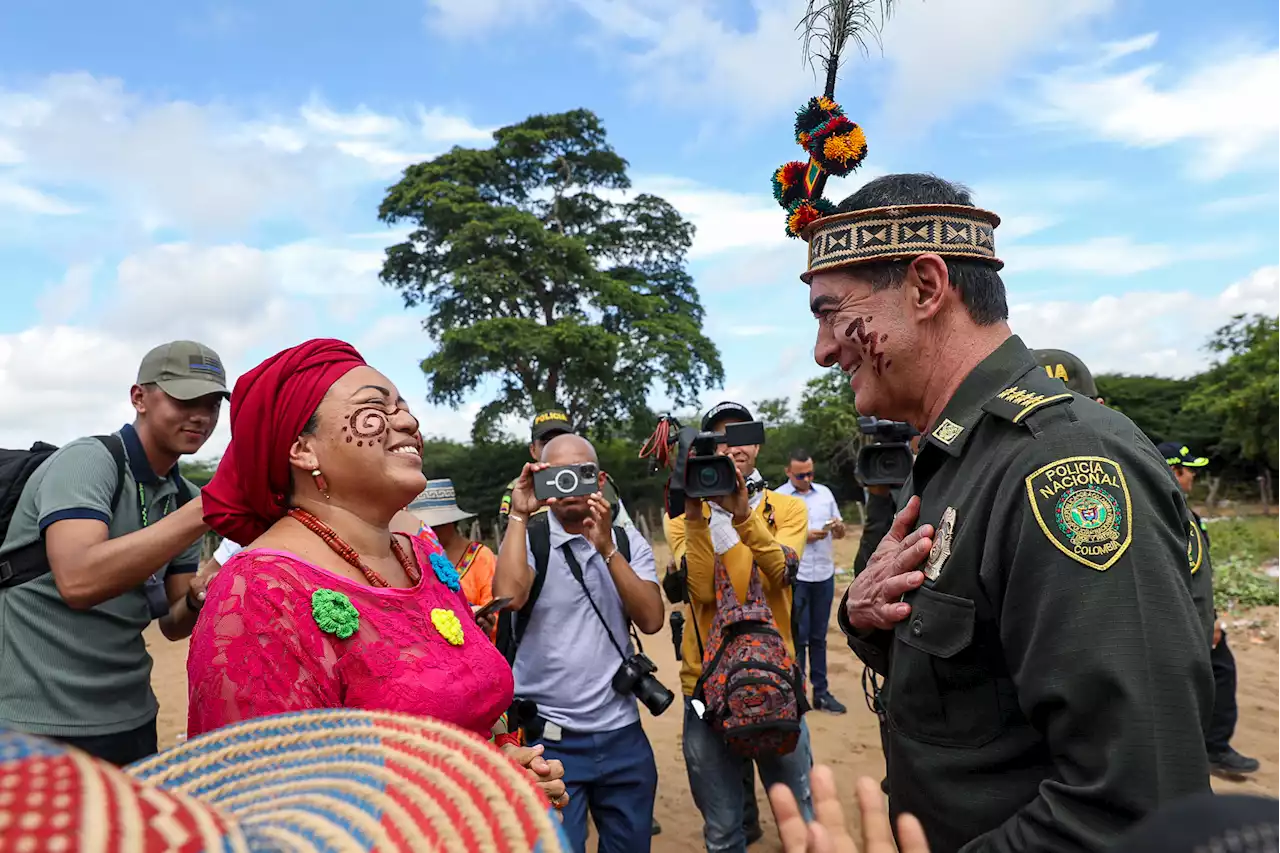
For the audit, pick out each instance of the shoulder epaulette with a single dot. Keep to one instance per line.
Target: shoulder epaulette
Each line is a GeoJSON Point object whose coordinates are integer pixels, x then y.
{"type": "Point", "coordinates": [1032, 391]}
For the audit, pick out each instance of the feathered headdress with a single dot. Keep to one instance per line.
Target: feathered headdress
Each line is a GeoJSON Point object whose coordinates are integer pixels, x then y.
{"type": "Point", "coordinates": [836, 145]}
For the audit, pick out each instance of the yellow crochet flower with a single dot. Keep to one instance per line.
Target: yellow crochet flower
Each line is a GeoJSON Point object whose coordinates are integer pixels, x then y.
{"type": "Point", "coordinates": [446, 622]}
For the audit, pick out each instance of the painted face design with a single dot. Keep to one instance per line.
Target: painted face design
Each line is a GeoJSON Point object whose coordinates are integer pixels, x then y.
{"type": "Point", "coordinates": [367, 424]}
{"type": "Point", "coordinates": [861, 331]}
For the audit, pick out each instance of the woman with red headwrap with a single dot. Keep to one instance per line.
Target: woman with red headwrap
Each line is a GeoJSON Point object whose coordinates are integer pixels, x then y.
{"type": "Point", "coordinates": [325, 607]}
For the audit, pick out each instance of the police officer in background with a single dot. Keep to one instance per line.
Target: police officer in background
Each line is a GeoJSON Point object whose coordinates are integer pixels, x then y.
{"type": "Point", "coordinates": [1060, 364]}
{"type": "Point", "coordinates": [546, 426]}
{"type": "Point", "coordinates": [1223, 760]}
{"type": "Point", "coordinates": [1045, 683]}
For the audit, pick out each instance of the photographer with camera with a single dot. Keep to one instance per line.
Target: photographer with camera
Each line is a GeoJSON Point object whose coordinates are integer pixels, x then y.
{"type": "Point", "coordinates": [756, 536]}
{"type": "Point", "coordinates": [578, 584]}
{"type": "Point", "coordinates": [547, 425]}
{"type": "Point", "coordinates": [883, 467]}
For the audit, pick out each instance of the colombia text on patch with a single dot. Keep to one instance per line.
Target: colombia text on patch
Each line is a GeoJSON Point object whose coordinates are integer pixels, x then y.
{"type": "Point", "coordinates": [1082, 504]}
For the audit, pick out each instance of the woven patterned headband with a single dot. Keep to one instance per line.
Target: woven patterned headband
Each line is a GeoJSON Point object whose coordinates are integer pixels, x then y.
{"type": "Point", "coordinates": [896, 233]}
{"type": "Point", "coordinates": [344, 781]}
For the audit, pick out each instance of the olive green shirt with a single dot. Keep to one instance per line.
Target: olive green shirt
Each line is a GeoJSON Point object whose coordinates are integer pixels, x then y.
{"type": "Point", "coordinates": [1051, 685]}
{"type": "Point", "coordinates": [79, 673]}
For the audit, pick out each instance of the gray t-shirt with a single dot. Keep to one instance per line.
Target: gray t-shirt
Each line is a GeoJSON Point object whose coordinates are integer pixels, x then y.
{"type": "Point", "coordinates": [566, 663]}
{"type": "Point", "coordinates": [81, 673]}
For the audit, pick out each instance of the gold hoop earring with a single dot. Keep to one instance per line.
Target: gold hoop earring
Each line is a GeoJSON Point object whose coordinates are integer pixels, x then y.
{"type": "Point", "coordinates": [320, 483]}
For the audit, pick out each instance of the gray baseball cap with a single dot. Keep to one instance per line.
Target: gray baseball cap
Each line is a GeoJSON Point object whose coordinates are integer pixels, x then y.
{"type": "Point", "coordinates": [185, 370]}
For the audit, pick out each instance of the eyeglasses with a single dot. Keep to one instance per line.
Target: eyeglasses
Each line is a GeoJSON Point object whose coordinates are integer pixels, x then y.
{"type": "Point", "coordinates": [807, 475]}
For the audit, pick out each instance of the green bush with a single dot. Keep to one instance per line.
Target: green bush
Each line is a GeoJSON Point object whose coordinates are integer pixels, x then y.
{"type": "Point", "coordinates": [1238, 547]}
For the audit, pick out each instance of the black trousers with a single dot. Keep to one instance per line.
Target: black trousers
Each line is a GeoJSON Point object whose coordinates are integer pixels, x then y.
{"type": "Point", "coordinates": [121, 748]}
{"type": "Point", "coordinates": [1222, 725]}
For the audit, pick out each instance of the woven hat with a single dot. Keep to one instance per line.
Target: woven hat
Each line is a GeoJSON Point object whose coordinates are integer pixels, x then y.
{"type": "Point", "coordinates": [438, 504]}
{"type": "Point", "coordinates": [310, 781]}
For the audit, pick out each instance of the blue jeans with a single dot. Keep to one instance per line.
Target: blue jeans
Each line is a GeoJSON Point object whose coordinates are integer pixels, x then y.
{"type": "Point", "coordinates": [613, 774]}
{"type": "Point", "coordinates": [810, 613]}
{"type": "Point", "coordinates": [716, 779]}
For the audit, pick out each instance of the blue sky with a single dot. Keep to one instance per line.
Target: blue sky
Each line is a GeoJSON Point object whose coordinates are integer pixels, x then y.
{"type": "Point", "coordinates": [212, 170]}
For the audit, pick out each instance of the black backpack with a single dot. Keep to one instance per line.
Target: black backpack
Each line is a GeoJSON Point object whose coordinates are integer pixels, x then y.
{"type": "Point", "coordinates": [512, 625]}
{"type": "Point", "coordinates": [16, 468]}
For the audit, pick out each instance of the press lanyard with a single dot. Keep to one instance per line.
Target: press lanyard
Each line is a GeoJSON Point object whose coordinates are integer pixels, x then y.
{"type": "Point", "coordinates": [142, 505]}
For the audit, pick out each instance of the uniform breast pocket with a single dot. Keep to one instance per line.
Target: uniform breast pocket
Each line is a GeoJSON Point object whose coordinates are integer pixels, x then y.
{"type": "Point", "coordinates": [940, 689]}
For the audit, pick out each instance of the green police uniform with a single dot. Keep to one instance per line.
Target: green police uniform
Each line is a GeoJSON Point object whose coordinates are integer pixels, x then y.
{"type": "Point", "coordinates": [1049, 687]}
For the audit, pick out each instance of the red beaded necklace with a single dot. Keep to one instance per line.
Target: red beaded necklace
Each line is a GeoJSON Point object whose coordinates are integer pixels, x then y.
{"type": "Point", "coordinates": [331, 538]}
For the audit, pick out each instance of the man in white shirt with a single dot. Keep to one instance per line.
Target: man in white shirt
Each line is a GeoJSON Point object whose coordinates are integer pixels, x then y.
{"type": "Point", "coordinates": [816, 583]}
{"type": "Point", "coordinates": [570, 650]}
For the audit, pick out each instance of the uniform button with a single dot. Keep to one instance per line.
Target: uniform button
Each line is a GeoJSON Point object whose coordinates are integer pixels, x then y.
{"type": "Point", "coordinates": [917, 626]}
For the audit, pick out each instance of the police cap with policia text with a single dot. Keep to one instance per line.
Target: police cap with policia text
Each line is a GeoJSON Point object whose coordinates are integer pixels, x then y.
{"type": "Point", "coordinates": [548, 424]}
{"type": "Point", "coordinates": [1061, 364]}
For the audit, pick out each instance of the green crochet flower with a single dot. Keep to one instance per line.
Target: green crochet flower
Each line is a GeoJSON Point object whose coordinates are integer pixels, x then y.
{"type": "Point", "coordinates": [334, 613]}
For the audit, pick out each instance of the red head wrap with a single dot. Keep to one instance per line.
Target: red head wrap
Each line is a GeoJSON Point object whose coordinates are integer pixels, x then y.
{"type": "Point", "coordinates": [269, 407]}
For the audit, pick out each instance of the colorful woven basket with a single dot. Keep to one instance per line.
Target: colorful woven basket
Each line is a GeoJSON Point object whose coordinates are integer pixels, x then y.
{"type": "Point", "coordinates": [312, 781]}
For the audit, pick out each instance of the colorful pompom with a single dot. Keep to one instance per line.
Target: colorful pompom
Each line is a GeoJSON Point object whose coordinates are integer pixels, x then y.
{"type": "Point", "coordinates": [446, 622]}
{"type": "Point", "coordinates": [813, 115]}
{"type": "Point", "coordinates": [788, 182]}
{"type": "Point", "coordinates": [334, 613]}
{"type": "Point", "coordinates": [445, 572]}
{"type": "Point", "coordinates": [805, 212]}
{"type": "Point", "coordinates": [843, 153]}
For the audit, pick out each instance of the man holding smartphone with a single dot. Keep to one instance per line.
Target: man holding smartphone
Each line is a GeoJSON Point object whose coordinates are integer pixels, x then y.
{"type": "Point", "coordinates": [815, 587]}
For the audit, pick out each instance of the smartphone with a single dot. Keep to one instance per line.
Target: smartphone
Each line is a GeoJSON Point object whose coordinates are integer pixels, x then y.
{"type": "Point", "coordinates": [830, 524]}
{"type": "Point", "coordinates": [566, 481]}
{"type": "Point", "coordinates": [491, 608]}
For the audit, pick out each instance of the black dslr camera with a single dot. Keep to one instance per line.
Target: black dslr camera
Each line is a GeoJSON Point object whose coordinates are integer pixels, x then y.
{"type": "Point", "coordinates": [887, 461]}
{"type": "Point", "coordinates": [635, 677]}
{"type": "Point", "coordinates": [697, 471]}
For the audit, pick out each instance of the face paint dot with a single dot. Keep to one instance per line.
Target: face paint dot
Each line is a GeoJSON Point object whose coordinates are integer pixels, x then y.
{"type": "Point", "coordinates": [884, 338]}
{"type": "Point", "coordinates": [359, 444]}
{"type": "Point", "coordinates": [348, 439]}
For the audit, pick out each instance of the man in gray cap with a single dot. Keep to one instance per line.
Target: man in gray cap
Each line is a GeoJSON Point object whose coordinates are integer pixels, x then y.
{"type": "Point", "coordinates": [105, 538]}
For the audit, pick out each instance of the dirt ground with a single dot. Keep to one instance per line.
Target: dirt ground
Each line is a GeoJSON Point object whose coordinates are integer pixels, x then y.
{"type": "Point", "coordinates": [851, 743]}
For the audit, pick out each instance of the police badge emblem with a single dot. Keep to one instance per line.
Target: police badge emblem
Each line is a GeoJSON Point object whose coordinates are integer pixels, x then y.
{"type": "Point", "coordinates": [1082, 505]}
{"type": "Point", "coordinates": [1195, 547]}
{"type": "Point", "coordinates": [941, 544]}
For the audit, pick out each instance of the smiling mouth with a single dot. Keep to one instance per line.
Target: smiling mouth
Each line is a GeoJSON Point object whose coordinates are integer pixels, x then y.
{"type": "Point", "coordinates": [407, 450]}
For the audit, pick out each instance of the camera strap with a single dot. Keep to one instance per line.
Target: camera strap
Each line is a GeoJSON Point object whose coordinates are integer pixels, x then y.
{"type": "Point", "coordinates": [576, 569]}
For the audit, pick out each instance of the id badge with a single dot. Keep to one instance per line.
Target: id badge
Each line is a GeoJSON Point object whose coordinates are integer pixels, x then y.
{"type": "Point", "coordinates": [157, 600]}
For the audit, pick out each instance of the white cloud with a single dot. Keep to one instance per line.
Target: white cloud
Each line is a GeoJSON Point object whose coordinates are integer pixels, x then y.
{"type": "Point", "coordinates": [1159, 333]}
{"type": "Point", "coordinates": [26, 199]}
{"type": "Point", "coordinates": [68, 297]}
{"type": "Point", "coordinates": [436, 125]}
{"type": "Point", "coordinates": [361, 122]}
{"type": "Point", "coordinates": [200, 167]}
{"type": "Point", "coordinates": [1219, 108]}
{"type": "Point", "coordinates": [466, 18]}
{"type": "Point", "coordinates": [686, 53]}
{"type": "Point", "coordinates": [1232, 205]}
{"type": "Point", "coordinates": [1113, 256]}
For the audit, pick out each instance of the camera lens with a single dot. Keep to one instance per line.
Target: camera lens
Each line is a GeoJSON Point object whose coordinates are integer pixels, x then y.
{"type": "Point", "coordinates": [655, 697]}
{"type": "Point", "coordinates": [566, 481]}
{"type": "Point", "coordinates": [707, 478]}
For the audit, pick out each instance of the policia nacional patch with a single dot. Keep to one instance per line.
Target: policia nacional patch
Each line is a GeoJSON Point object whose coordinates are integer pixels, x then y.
{"type": "Point", "coordinates": [1195, 546]}
{"type": "Point", "coordinates": [1082, 504]}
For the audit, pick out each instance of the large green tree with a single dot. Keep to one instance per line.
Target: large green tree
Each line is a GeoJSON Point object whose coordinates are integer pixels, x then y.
{"type": "Point", "coordinates": [1243, 390]}
{"type": "Point", "coordinates": [541, 273]}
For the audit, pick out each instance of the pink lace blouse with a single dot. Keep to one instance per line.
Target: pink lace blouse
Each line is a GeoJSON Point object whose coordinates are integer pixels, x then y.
{"type": "Point", "coordinates": [257, 648]}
